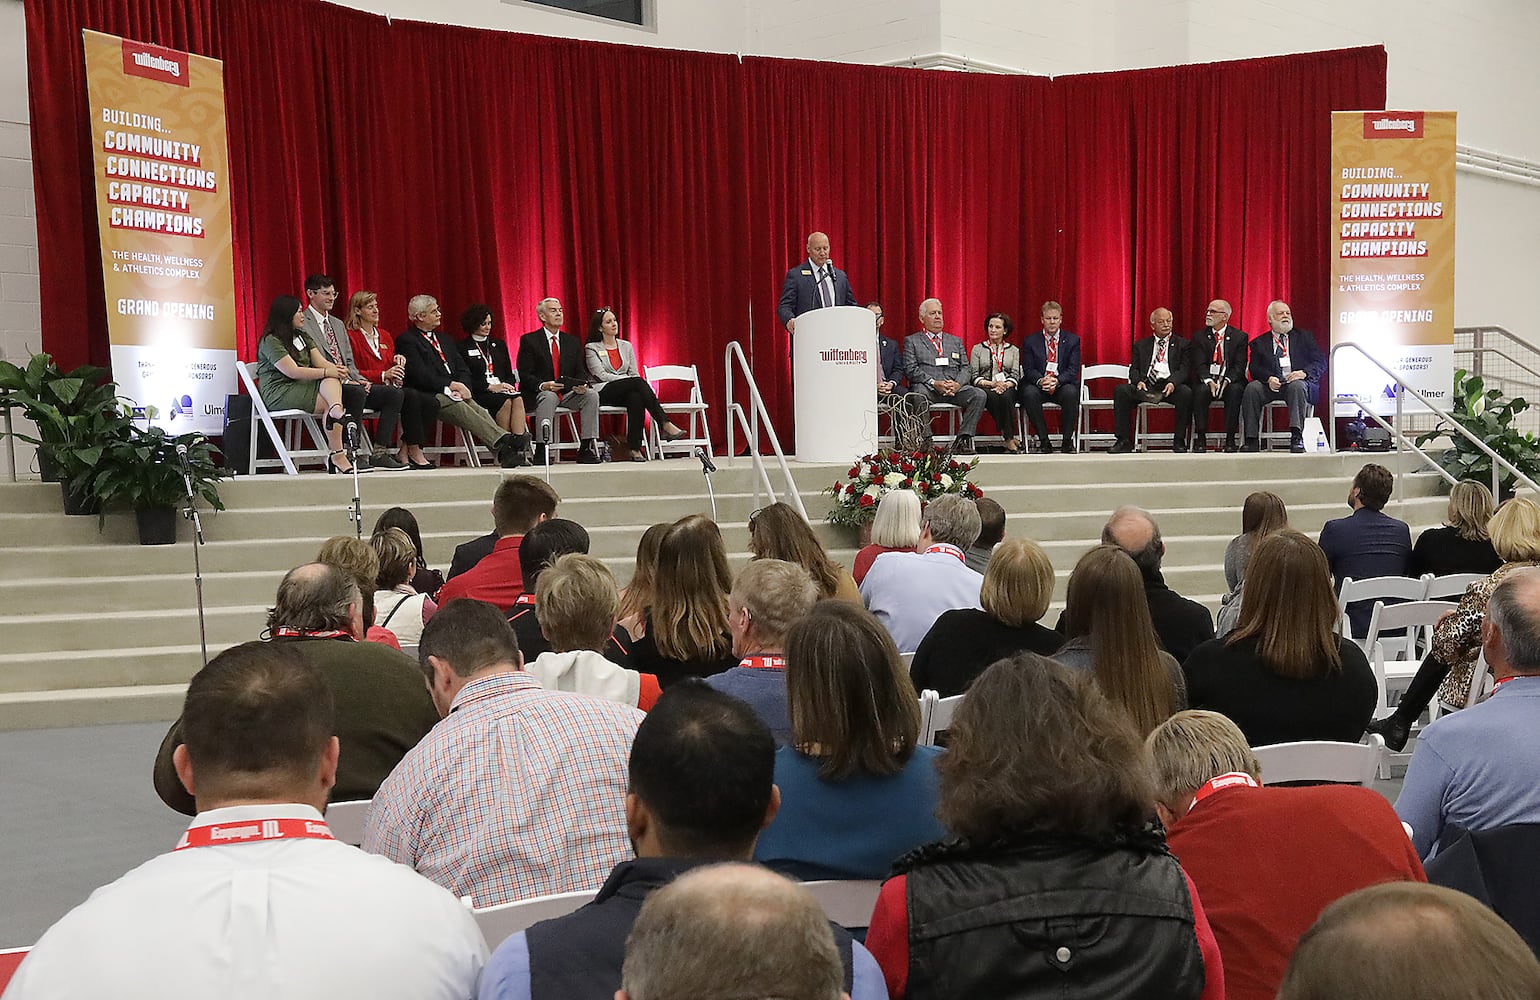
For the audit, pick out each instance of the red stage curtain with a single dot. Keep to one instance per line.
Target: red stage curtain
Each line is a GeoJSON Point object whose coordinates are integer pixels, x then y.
{"type": "Point", "coordinates": [677, 187]}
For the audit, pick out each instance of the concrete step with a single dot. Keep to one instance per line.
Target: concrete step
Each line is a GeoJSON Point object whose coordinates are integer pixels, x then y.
{"type": "Point", "coordinates": [129, 630]}
{"type": "Point", "coordinates": [63, 670]}
{"type": "Point", "coordinates": [91, 707]}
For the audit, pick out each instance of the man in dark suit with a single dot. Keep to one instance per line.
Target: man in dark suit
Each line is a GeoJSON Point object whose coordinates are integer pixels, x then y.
{"type": "Point", "coordinates": [936, 364]}
{"type": "Point", "coordinates": [1285, 364]}
{"type": "Point", "coordinates": [1368, 542]}
{"type": "Point", "coordinates": [1050, 362]}
{"type": "Point", "coordinates": [1157, 374]}
{"type": "Point", "coordinates": [813, 284]}
{"type": "Point", "coordinates": [435, 365]}
{"type": "Point", "coordinates": [1180, 624]}
{"type": "Point", "coordinates": [553, 376]}
{"type": "Point", "coordinates": [907, 409]}
{"type": "Point", "coordinates": [1218, 361]}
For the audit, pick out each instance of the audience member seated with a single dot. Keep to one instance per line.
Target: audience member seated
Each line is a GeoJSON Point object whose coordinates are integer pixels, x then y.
{"type": "Point", "coordinates": [1050, 360]}
{"type": "Point", "coordinates": [991, 531]}
{"type": "Point", "coordinates": [1266, 861]}
{"type": "Point", "coordinates": [732, 931]}
{"type": "Point", "coordinates": [1059, 882]}
{"type": "Point", "coordinates": [554, 377]}
{"type": "Point", "coordinates": [1017, 588]}
{"type": "Point", "coordinates": [1407, 941]}
{"type": "Point", "coordinates": [545, 543]}
{"type": "Point", "coordinates": [767, 599]}
{"type": "Point", "coordinates": [374, 354]}
{"type": "Point", "coordinates": [1285, 674]}
{"type": "Point", "coordinates": [520, 791]}
{"type": "Point", "coordinates": [292, 374]}
{"type": "Point", "coordinates": [1180, 624]}
{"type": "Point", "coordinates": [1475, 770]}
{"type": "Point", "coordinates": [357, 559]}
{"type": "Point", "coordinates": [401, 609]}
{"type": "Point", "coordinates": [637, 596]}
{"type": "Point", "coordinates": [1462, 545]}
{"type": "Point", "coordinates": [1368, 542]}
{"type": "Point", "coordinates": [1108, 634]}
{"type": "Point", "coordinates": [577, 601]}
{"type": "Point", "coordinates": [856, 791]}
{"type": "Point", "coordinates": [1262, 514]}
{"type": "Point", "coordinates": [493, 383]}
{"type": "Point", "coordinates": [1447, 669]}
{"type": "Point", "coordinates": [685, 627]}
{"type": "Point", "coordinates": [779, 532]}
{"type": "Point", "coordinates": [995, 367]}
{"type": "Point", "coordinates": [895, 528]}
{"type": "Point", "coordinates": [258, 899]}
{"type": "Point", "coordinates": [612, 368]}
{"type": "Point", "coordinates": [937, 366]}
{"type": "Point", "coordinates": [908, 591]}
{"type": "Point", "coordinates": [425, 579]}
{"type": "Point", "coordinates": [383, 710]}
{"type": "Point", "coordinates": [520, 503]}
{"type": "Point", "coordinates": [1157, 373]}
{"type": "Point", "coordinates": [1497, 868]}
{"type": "Point", "coordinates": [701, 789]}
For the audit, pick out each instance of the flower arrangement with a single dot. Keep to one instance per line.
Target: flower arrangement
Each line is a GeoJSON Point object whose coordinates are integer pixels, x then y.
{"type": "Point", "coordinates": [929, 474]}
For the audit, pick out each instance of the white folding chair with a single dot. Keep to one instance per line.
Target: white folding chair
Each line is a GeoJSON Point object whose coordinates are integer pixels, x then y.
{"type": "Point", "coordinates": [1270, 436]}
{"type": "Point", "coordinates": [940, 718]}
{"type": "Point", "coordinates": [1481, 683]}
{"type": "Point", "coordinates": [347, 820]}
{"type": "Point", "coordinates": [1415, 618]}
{"type": "Point", "coordinates": [289, 444]}
{"type": "Point", "coordinates": [1090, 403]}
{"type": "Point", "coordinates": [1396, 588]}
{"type": "Point", "coordinates": [928, 701]}
{"type": "Point", "coordinates": [698, 433]}
{"type": "Point", "coordinates": [1450, 584]}
{"type": "Point", "coordinates": [847, 902]}
{"type": "Point", "coordinates": [1321, 760]}
{"type": "Point", "coordinates": [498, 923]}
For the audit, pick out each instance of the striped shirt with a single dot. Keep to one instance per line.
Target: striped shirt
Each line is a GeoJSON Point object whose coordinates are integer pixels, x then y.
{"type": "Point", "coordinates": [519, 792]}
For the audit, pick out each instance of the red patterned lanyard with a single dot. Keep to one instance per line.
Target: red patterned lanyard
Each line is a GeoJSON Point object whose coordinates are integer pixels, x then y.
{"type": "Point", "coordinates": [525, 598]}
{"type": "Point", "coordinates": [763, 661]}
{"type": "Point", "coordinates": [998, 354]}
{"type": "Point", "coordinates": [937, 343]}
{"type": "Point", "coordinates": [950, 550]}
{"type": "Point", "coordinates": [434, 341]}
{"type": "Point", "coordinates": [284, 632]}
{"type": "Point", "coordinates": [1232, 779]}
{"type": "Point", "coordinates": [1219, 348]}
{"type": "Point", "coordinates": [253, 831]}
{"type": "Point", "coordinates": [1160, 350]}
{"type": "Point", "coordinates": [1053, 349]}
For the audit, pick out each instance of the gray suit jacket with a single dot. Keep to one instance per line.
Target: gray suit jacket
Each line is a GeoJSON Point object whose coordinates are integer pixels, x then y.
{"type": "Point", "coordinates": [982, 366]}
{"type": "Point", "coordinates": [920, 360]}
{"type": "Point", "coordinates": [599, 369]}
{"type": "Point", "coordinates": [344, 346]}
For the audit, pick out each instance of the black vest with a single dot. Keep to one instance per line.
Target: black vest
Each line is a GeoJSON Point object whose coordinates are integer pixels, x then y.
{"type": "Point", "coordinates": [1047, 917]}
{"type": "Point", "coordinates": [578, 957]}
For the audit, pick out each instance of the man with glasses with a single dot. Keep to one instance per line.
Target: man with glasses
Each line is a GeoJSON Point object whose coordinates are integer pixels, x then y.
{"type": "Point", "coordinates": [1285, 364]}
{"type": "Point", "coordinates": [1218, 361]}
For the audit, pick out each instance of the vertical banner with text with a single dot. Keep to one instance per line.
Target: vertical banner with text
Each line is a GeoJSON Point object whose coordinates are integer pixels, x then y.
{"type": "Point", "coordinates": [1392, 291]}
{"type": "Point", "coordinates": [163, 208]}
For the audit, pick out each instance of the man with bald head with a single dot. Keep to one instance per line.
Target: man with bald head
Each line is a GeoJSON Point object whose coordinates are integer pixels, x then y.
{"type": "Point", "coordinates": [937, 365]}
{"type": "Point", "coordinates": [814, 283]}
{"type": "Point", "coordinates": [1218, 360]}
{"type": "Point", "coordinates": [1179, 623]}
{"type": "Point", "coordinates": [1156, 375]}
{"type": "Point", "coordinates": [1285, 364]}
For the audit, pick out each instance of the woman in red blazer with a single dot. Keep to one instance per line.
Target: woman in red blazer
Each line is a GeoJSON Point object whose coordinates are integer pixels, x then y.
{"type": "Point", "coordinates": [375, 354]}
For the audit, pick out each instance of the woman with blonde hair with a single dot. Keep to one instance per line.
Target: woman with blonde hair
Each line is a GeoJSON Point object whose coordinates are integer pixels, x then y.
{"type": "Point", "coordinates": [397, 606]}
{"type": "Point", "coordinates": [1018, 584]}
{"type": "Point", "coordinates": [1108, 631]}
{"type": "Point", "coordinates": [779, 532]}
{"type": "Point", "coordinates": [374, 352]}
{"type": "Point", "coordinates": [1285, 674]}
{"type": "Point", "coordinates": [896, 528]}
{"type": "Point", "coordinates": [1447, 670]}
{"type": "Point", "coordinates": [856, 791]}
{"type": "Point", "coordinates": [635, 599]}
{"type": "Point", "coordinates": [686, 624]}
{"type": "Point", "coordinates": [1462, 544]}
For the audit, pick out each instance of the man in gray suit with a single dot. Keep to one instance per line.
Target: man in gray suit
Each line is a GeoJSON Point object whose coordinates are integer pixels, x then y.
{"type": "Point", "coordinates": [358, 393]}
{"type": "Point", "coordinates": [936, 365]}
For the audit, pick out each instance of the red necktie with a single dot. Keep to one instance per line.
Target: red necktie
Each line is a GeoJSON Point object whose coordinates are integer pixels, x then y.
{"type": "Point", "coordinates": [555, 358]}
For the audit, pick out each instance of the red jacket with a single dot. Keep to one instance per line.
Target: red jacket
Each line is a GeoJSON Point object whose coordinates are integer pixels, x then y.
{"type": "Point", "coordinates": [369, 366]}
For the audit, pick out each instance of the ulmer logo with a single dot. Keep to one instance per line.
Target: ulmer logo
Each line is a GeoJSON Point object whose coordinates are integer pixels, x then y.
{"type": "Point", "coordinates": [1393, 125]}
{"type": "Point", "coordinates": [841, 356]}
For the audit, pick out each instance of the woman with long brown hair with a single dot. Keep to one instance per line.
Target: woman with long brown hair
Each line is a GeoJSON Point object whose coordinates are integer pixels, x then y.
{"type": "Point", "coordinates": [686, 624]}
{"type": "Point", "coordinates": [637, 596]}
{"type": "Point", "coordinates": [1108, 631]}
{"type": "Point", "coordinates": [1262, 514]}
{"type": "Point", "coordinates": [779, 532]}
{"type": "Point", "coordinates": [1285, 674]}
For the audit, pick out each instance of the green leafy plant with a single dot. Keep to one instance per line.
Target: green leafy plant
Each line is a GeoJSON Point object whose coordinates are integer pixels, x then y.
{"type": "Point", "coordinates": [1486, 414]}
{"type": "Point", "coordinates": [76, 414]}
{"type": "Point", "coordinates": [928, 473]}
{"type": "Point", "coordinates": [142, 470]}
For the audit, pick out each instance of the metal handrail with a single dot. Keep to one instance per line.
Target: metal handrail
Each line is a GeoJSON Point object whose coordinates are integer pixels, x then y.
{"type": "Point", "coordinates": [751, 430]}
{"type": "Point", "coordinates": [1445, 419]}
{"type": "Point", "coordinates": [1501, 354]}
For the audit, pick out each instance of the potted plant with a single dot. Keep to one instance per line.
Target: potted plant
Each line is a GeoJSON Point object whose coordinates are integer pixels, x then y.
{"type": "Point", "coordinates": [72, 410]}
{"type": "Point", "coordinates": [1486, 414]}
{"type": "Point", "coordinates": [928, 473]}
{"type": "Point", "coordinates": [142, 471]}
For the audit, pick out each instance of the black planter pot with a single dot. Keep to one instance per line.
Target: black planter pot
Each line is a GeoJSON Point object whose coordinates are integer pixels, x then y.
{"type": "Point", "coordinates": [46, 468]}
{"type": "Point", "coordinates": [79, 503]}
{"type": "Point", "coordinates": [157, 525]}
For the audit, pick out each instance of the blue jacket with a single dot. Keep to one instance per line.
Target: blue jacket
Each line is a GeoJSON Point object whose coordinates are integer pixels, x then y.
{"type": "Point", "coordinates": [891, 357]}
{"type": "Point", "coordinates": [1304, 356]}
{"type": "Point", "coordinates": [799, 294]}
{"type": "Point", "coordinates": [1034, 358]}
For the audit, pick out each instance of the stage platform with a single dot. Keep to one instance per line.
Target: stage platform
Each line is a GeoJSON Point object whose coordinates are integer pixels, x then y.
{"type": "Point", "coordinates": [99, 629]}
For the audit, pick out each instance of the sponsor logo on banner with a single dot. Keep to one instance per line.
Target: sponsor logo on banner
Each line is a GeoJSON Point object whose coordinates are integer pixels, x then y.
{"type": "Point", "coordinates": [155, 63]}
{"type": "Point", "coordinates": [1393, 125]}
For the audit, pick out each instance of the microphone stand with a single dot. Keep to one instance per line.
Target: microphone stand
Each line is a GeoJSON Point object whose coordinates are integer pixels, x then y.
{"type": "Point", "coordinates": [356, 508]}
{"type": "Point", "coordinates": [545, 447]}
{"type": "Point", "coordinates": [191, 514]}
{"type": "Point", "coordinates": [706, 469]}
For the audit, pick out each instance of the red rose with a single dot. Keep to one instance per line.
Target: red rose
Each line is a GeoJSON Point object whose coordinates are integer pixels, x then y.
{"type": "Point", "coordinates": [866, 501]}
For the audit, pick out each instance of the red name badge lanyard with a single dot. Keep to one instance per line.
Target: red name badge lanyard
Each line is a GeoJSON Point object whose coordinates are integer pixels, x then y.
{"type": "Point", "coordinates": [763, 661]}
{"type": "Point", "coordinates": [951, 550]}
{"type": "Point", "coordinates": [1233, 779]}
{"type": "Point", "coordinates": [1053, 350]}
{"type": "Point", "coordinates": [284, 632]}
{"type": "Point", "coordinates": [254, 831]}
{"type": "Point", "coordinates": [938, 344]}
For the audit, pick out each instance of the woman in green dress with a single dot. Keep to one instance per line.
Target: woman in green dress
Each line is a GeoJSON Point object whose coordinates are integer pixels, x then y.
{"type": "Point", "coordinates": [293, 374]}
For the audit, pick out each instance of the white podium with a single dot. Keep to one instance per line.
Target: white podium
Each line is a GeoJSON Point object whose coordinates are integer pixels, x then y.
{"type": "Point", "coordinates": [834, 371]}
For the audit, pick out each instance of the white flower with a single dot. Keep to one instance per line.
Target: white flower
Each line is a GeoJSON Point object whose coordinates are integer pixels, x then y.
{"type": "Point", "coordinates": [874, 491]}
{"type": "Point", "coordinates": [945, 481]}
{"type": "Point", "coordinates": [866, 470]}
{"type": "Point", "coordinates": [893, 478]}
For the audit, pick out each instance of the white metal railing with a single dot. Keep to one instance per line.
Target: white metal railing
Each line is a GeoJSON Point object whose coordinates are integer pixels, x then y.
{"type": "Point", "coordinates": [750, 424]}
{"type": "Point", "coordinates": [1403, 439]}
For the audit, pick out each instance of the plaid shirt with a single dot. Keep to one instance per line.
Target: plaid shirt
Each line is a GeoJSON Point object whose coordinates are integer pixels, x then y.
{"type": "Point", "coordinates": [519, 792]}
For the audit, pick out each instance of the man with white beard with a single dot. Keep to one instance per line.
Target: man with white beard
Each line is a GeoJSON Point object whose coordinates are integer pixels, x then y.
{"type": "Point", "coordinates": [1285, 364]}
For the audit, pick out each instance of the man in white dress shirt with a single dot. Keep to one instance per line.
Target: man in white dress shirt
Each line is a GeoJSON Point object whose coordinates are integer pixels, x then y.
{"type": "Point", "coordinates": [257, 900]}
{"type": "Point", "coordinates": [908, 591]}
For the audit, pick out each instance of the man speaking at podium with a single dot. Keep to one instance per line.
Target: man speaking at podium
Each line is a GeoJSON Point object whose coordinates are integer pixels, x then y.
{"type": "Point", "coordinates": [813, 284]}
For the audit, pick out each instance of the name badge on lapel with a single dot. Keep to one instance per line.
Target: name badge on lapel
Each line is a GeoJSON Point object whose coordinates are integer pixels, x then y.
{"type": "Point", "coordinates": [299, 343]}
